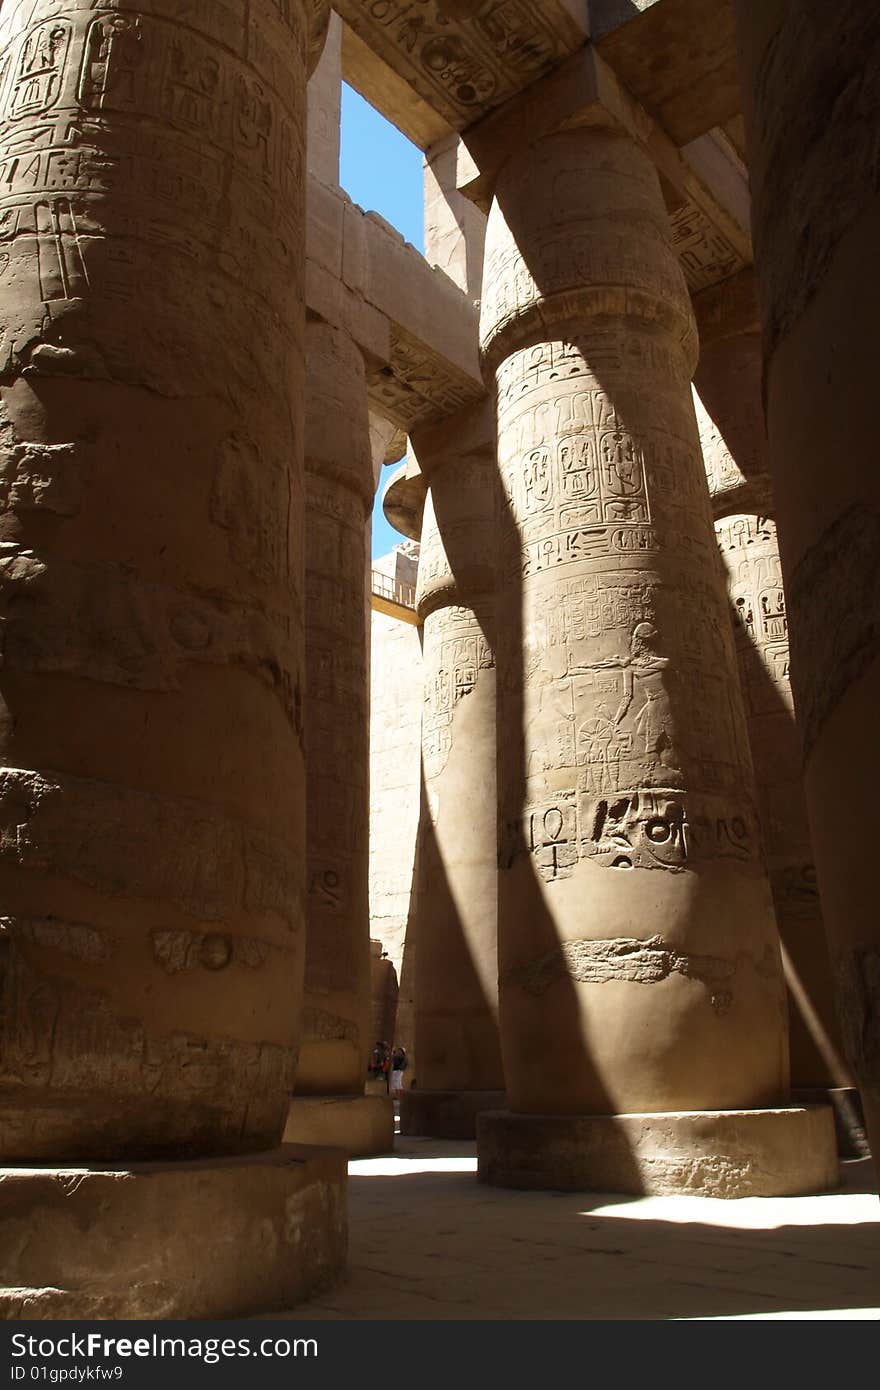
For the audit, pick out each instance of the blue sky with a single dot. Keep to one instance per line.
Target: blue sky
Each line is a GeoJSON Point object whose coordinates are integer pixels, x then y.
{"type": "Point", "coordinates": [381, 170]}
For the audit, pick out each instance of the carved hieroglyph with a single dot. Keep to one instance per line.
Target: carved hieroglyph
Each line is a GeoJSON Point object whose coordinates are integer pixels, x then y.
{"type": "Point", "coordinates": [465, 58]}
{"type": "Point", "coordinates": [339, 494]}
{"type": "Point", "coordinates": [627, 803]}
{"type": "Point", "coordinates": [457, 960]}
{"type": "Point", "coordinates": [757, 605]}
{"type": "Point", "coordinates": [151, 800]}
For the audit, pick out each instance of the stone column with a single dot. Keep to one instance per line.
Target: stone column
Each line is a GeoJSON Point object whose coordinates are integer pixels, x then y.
{"type": "Point", "coordinates": [456, 1022]}
{"type": "Point", "coordinates": [642, 1002]}
{"type": "Point", "coordinates": [329, 1105]}
{"type": "Point", "coordinates": [152, 792]}
{"type": "Point", "coordinates": [812, 105]}
{"type": "Point", "coordinates": [747, 542]}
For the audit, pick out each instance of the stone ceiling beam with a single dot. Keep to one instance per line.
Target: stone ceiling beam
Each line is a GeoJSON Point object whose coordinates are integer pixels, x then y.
{"type": "Point", "coordinates": [451, 61]}
{"type": "Point", "coordinates": [440, 65]}
{"type": "Point", "coordinates": [415, 327]}
{"type": "Point", "coordinates": [676, 57]}
{"type": "Point", "coordinates": [705, 184]}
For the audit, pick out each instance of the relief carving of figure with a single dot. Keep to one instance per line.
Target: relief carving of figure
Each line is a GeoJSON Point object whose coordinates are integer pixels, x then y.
{"type": "Point", "coordinates": [644, 683]}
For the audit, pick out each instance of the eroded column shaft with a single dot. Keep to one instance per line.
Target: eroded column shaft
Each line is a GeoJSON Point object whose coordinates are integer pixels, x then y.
{"type": "Point", "coordinates": [339, 491]}
{"type": "Point", "coordinates": [457, 963]}
{"type": "Point", "coordinates": [811, 87]}
{"type": "Point", "coordinates": [151, 797]}
{"type": "Point", "coordinates": [749, 551]}
{"type": "Point", "coordinates": [636, 931]}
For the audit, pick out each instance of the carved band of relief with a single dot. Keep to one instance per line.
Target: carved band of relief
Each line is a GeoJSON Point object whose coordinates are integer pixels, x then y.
{"type": "Point", "coordinates": [58, 1035]}
{"type": "Point", "coordinates": [646, 828]}
{"type": "Point", "coordinates": [420, 387]}
{"type": "Point", "coordinates": [465, 63]}
{"type": "Point", "coordinates": [626, 960]}
{"type": "Point", "coordinates": [102, 623]}
{"type": "Point", "coordinates": [133, 844]}
{"type": "Point", "coordinates": [319, 1025]}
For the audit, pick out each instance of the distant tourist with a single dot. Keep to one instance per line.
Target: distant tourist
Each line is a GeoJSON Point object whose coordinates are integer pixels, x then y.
{"type": "Point", "coordinates": [398, 1067]}
{"type": "Point", "coordinates": [380, 1063]}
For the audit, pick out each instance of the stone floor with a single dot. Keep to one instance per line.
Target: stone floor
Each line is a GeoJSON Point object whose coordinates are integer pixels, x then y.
{"type": "Point", "coordinates": [428, 1241]}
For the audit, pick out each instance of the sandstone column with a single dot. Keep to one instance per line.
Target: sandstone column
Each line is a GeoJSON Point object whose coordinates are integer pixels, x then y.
{"type": "Point", "coordinates": [456, 1022]}
{"type": "Point", "coordinates": [639, 964]}
{"type": "Point", "coordinates": [151, 385]}
{"type": "Point", "coordinates": [329, 1105]}
{"type": "Point", "coordinates": [812, 98]}
{"type": "Point", "coordinates": [750, 554]}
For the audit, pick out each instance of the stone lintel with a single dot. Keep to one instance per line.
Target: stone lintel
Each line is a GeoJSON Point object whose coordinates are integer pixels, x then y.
{"type": "Point", "coordinates": [443, 67]}
{"type": "Point", "coordinates": [677, 57]}
{"type": "Point", "coordinates": [783, 1152]}
{"type": "Point", "coordinates": [211, 1238]}
{"type": "Point", "coordinates": [416, 328]}
{"type": "Point", "coordinates": [751, 497]}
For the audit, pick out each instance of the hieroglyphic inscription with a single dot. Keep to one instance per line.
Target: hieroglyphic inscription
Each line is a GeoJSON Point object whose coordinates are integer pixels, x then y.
{"type": "Point", "coordinates": [456, 650]}
{"type": "Point", "coordinates": [465, 59]}
{"type": "Point", "coordinates": [121, 130]}
{"type": "Point", "coordinates": [750, 554]}
{"type": "Point", "coordinates": [626, 653]}
{"type": "Point", "coordinates": [706, 256]}
{"type": "Point", "coordinates": [757, 602]}
{"type": "Point", "coordinates": [420, 386]}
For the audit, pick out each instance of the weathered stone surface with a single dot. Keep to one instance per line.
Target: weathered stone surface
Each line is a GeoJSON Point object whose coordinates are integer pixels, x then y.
{"type": "Point", "coordinates": [325, 108]}
{"type": "Point", "coordinates": [757, 603]}
{"type": "Point", "coordinates": [627, 805]}
{"type": "Point", "coordinates": [446, 1114]}
{"type": "Point", "coordinates": [849, 1116]}
{"type": "Point", "coordinates": [457, 59]}
{"type": "Point", "coordinates": [457, 960]}
{"type": "Point", "coordinates": [678, 57]}
{"type": "Point", "coordinates": [360, 1125]}
{"type": "Point", "coordinates": [384, 990]}
{"type": "Point", "coordinates": [151, 375]}
{"type": "Point", "coordinates": [339, 491]}
{"type": "Point", "coordinates": [412, 320]}
{"type": "Point", "coordinates": [816, 213]}
{"type": "Point", "coordinates": [722, 1153]}
{"type": "Point", "coordinates": [213, 1238]}
{"type": "Point", "coordinates": [396, 693]}
{"type": "Point", "coordinates": [403, 498]}
{"type": "Point", "coordinates": [455, 229]}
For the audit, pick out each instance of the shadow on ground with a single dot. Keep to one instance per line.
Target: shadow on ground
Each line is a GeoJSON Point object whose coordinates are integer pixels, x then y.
{"type": "Point", "coordinates": [429, 1242]}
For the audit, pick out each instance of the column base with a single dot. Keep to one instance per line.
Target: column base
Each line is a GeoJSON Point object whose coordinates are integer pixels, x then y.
{"type": "Point", "coordinates": [211, 1238]}
{"type": "Point", "coordinates": [446, 1114]}
{"type": "Point", "coordinates": [361, 1125]}
{"type": "Point", "coordinates": [712, 1153]}
{"type": "Point", "coordinates": [849, 1116]}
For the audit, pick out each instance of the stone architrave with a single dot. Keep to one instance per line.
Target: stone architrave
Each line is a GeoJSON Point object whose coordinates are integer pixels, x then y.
{"type": "Point", "coordinates": [456, 999]}
{"type": "Point", "coordinates": [811, 88]}
{"type": "Point", "coordinates": [636, 932]}
{"type": "Point", "coordinates": [152, 850]}
{"type": "Point", "coordinates": [336, 1039]}
{"type": "Point", "coordinates": [750, 555]}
